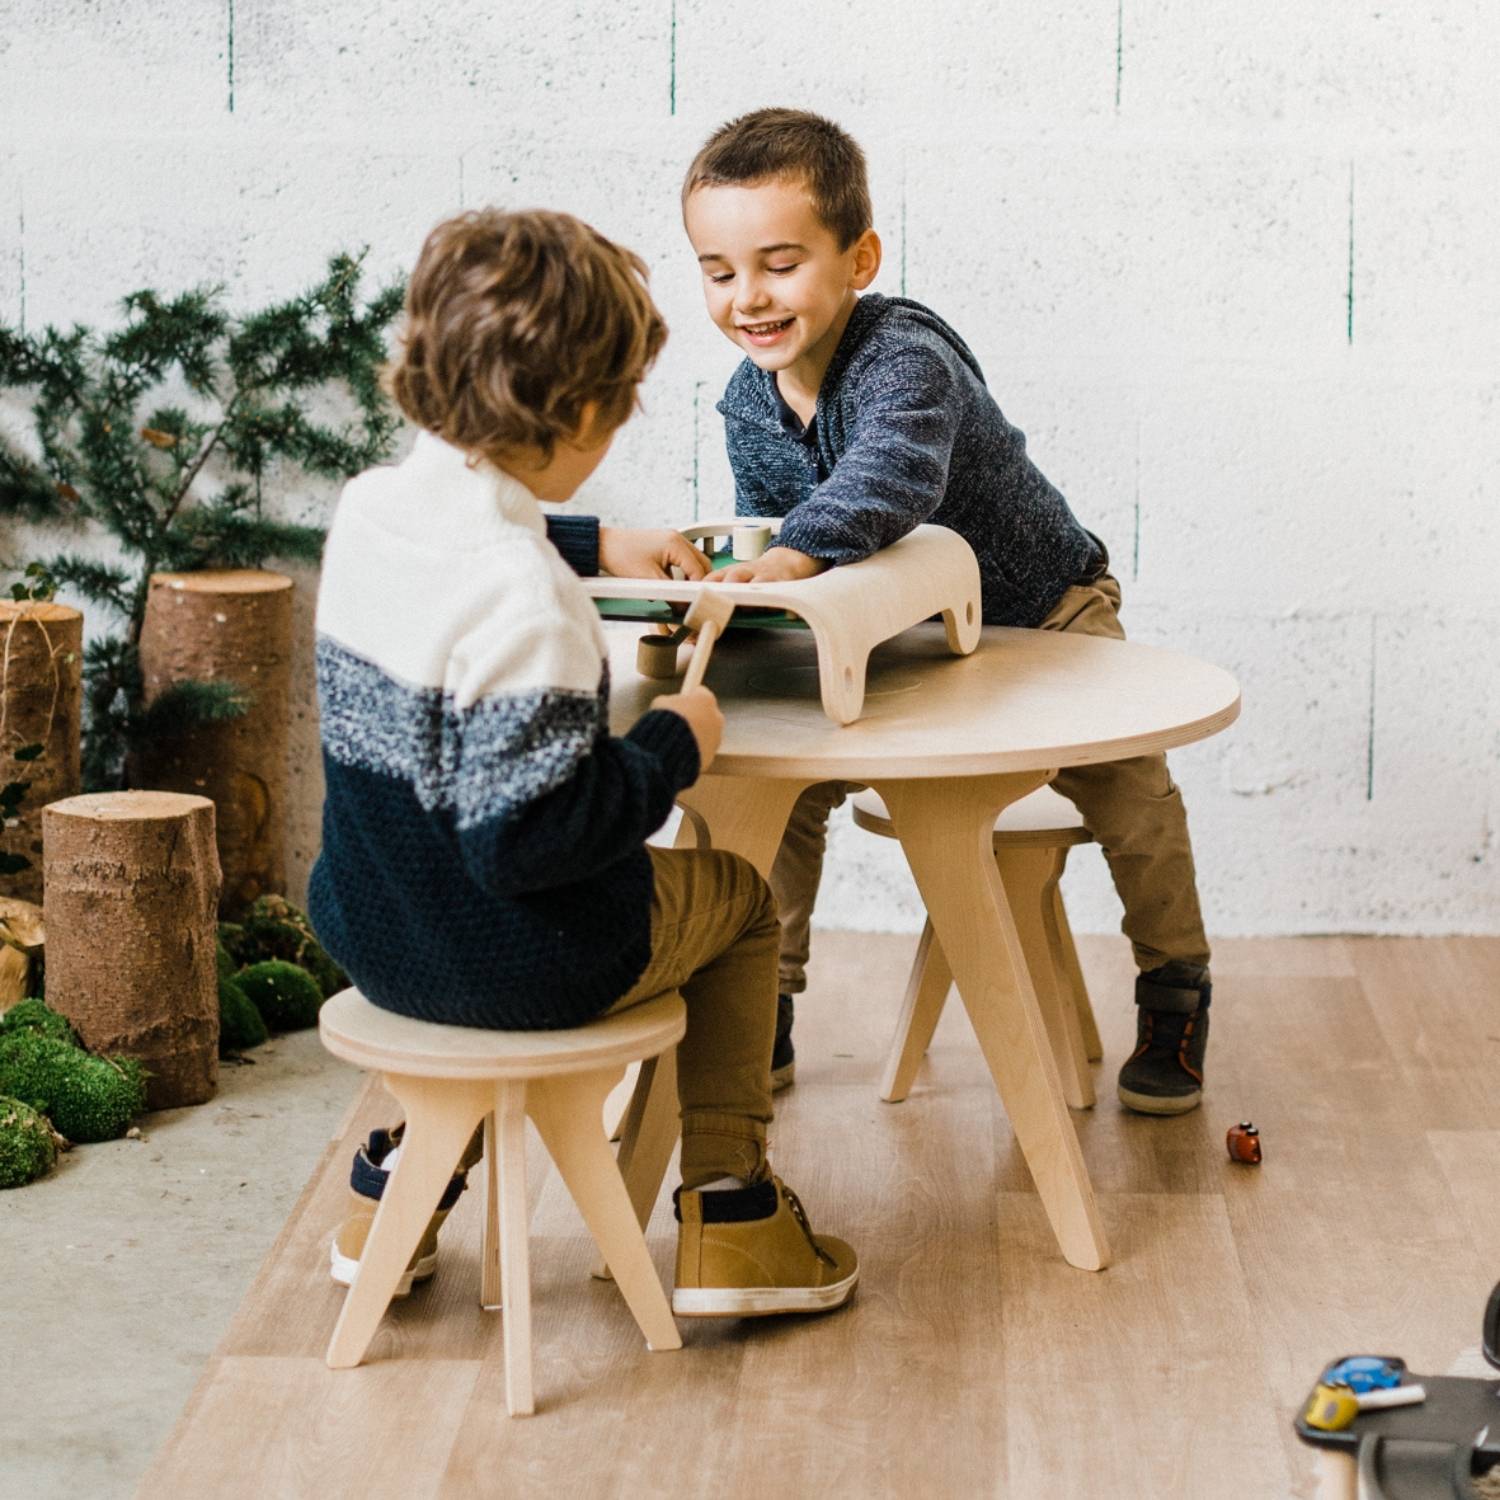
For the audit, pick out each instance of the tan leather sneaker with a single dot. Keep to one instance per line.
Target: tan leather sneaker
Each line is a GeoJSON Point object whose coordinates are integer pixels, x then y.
{"type": "Point", "coordinates": [750, 1252]}
{"type": "Point", "coordinates": [371, 1169]}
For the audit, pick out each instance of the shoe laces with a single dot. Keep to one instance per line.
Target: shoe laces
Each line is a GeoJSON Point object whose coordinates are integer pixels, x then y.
{"type": "Point", "coordinates": [794, 1203]}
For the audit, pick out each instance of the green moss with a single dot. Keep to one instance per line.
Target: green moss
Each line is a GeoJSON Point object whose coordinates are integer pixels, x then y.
{"type": "Point", "coordinates": [27, 1145]}
{"type": "Point", "coordinates": [38, 1016]}
{"type": "Point", "coordinates": [224, 962]}
{"type": "Point", "coordinates": [241, 1025]}
{"type": "Point", "coordinates": [232, 941]}
{"type": "Point", "coordinates": [288, 997]}
{"type": "Point", "coordinates": [87, 1098]}
{"type": "Point", "coordinates": [274, 928]}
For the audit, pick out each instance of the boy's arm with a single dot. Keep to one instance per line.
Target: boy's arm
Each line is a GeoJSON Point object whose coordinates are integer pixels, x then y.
{"type": "Point", "coordinates": [894, 472]}
{"type": "Point", "coordinates": [614, 796]}
{"type": "Point", "coordinates": [577, 539]}
{"type": "Point", "coordinates": [543, 798]}
{"type": "Point", "coordinates": [624, 551]}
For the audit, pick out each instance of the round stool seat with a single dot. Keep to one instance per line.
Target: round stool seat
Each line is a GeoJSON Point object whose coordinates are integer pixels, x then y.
{"type": "Point", "coordinates": [1042, 820]}
{"type": "Point", "coordinates": [361, 1033]}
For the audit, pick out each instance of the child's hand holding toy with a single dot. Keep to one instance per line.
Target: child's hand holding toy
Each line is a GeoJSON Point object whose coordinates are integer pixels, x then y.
{"type": "Point", "coordinates": [700, 708]}
{"type": "Point", "coordinates": [644, 552]}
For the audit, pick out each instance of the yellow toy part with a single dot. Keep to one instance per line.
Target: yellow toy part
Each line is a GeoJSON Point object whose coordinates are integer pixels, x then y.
{"type": "Point", "coordinates": [1331, 1408]}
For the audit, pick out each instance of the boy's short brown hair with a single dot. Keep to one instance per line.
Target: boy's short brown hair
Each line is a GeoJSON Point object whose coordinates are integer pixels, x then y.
{"type": "Point", "coordinates": [773, 143]}
{"type": "Point", "coordinates": [514, 323]}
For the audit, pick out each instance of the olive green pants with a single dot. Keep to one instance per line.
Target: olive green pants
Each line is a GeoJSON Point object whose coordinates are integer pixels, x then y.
{"type": "Point", "coordinates": [1132, 807]}
{"type": "Point", "coordinates": [714, 937]}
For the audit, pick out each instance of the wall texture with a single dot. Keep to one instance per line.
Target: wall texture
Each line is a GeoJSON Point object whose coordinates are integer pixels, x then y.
{"type": "Point", "coordinates": [1235, 270]}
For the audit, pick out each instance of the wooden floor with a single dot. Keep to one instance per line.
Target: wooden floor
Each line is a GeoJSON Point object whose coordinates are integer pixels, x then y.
{"type": "Point", "coordinates": [973, 1360]}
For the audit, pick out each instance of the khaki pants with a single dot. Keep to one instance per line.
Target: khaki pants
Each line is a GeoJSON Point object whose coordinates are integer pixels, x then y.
{"type": "Point", "coordinates": [1132, 807]}
{"type": "Point", "coordinates": [714, 938]}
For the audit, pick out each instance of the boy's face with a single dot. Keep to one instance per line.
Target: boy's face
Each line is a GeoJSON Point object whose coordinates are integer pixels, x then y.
{"type": "Point", "coordinates": [774, 278]}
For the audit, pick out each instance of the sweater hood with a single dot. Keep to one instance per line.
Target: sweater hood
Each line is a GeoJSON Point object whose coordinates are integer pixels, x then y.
{"type": "Point", "coordinates": [751, 393]}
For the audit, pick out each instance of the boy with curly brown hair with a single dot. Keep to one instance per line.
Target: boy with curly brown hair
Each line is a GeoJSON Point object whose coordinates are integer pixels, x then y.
{"type": "Point", "coordinates": [484, 859]}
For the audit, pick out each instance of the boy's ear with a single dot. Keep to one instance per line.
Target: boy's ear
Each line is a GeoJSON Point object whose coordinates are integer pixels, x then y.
{"type": "Point", "coordinates": [866, 260]}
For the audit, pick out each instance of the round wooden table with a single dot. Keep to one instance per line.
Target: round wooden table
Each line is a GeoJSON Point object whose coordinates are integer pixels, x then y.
{"type": "Point", "coordinates": [948, 742]}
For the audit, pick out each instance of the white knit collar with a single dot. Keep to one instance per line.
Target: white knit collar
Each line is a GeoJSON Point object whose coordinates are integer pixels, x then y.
{"type": "Point", "coordinates": [479, 482]}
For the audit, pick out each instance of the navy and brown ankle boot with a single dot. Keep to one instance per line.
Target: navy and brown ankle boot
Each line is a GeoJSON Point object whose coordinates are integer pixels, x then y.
{"type": "Point", "coordinates": [1164, 1075]}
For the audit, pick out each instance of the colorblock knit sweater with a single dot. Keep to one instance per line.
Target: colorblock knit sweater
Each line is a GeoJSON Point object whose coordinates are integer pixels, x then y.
{"type": "Point", "coordinates": [905, 432]}
{"type": "Point", "coordinates": [483, 856]}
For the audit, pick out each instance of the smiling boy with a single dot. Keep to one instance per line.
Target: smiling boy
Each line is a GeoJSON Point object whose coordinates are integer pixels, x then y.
{"type": "Point", "coordinates": [857, 418]}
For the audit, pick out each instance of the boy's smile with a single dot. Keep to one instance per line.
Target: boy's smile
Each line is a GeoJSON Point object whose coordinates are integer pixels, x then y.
{"type": "Point", "coordinates": [774, 278]}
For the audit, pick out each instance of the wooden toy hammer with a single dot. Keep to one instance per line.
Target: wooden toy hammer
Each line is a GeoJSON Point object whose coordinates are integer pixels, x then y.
{"type": "Point", "coordinates": [708, 615]}
{"type": "Point", "coordinates": [656, 655]}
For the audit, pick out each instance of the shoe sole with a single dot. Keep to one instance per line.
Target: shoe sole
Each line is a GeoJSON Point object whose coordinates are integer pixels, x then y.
{"type": "Point", "coordinates": [760, 1301]}
{"type": "Point", "coordinates": [783, 1077]}
{"type": "Point", "coordinates": [1159, 1104]}
{"type": "Point", "coordinates": [343, 1269]}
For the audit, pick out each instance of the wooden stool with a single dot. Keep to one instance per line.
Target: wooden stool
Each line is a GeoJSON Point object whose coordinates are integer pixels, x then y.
{"type": "Point", "coordinates": [449, 1078]}
{"type": "Point", "coordinates": [1032, 839]}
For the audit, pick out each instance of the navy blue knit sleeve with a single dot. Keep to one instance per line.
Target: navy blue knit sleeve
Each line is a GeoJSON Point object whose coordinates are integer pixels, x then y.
{"type": "Point", "coordinates": [617, 794]}
{"type": "Point", "coordinates": [894, 472]}
{"type": "Point", "coordinates": [577, 539]}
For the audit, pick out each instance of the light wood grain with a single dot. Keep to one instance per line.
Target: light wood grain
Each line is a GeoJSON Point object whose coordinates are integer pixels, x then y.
{"type": "Point", "coordinates": [849, 610]}
{"type": "Point", "coordinates": [1024, 700]}
{"type": "Point", "coordinates": [971, 1361]}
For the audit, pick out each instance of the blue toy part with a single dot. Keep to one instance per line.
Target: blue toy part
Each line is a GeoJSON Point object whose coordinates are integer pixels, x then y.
{"type": "Point", "coordinates": [1363, 1372]}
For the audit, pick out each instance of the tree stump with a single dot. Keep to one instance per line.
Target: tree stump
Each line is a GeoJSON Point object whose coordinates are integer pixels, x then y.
{"type": "Point", "coordinates": [22, 940]}
{"type": "Point", "coordinates": [236, 627]}
{"type": "Point", "coordinates": [41, 663]}
{"type": "Point", "coordinates": [132, 887]}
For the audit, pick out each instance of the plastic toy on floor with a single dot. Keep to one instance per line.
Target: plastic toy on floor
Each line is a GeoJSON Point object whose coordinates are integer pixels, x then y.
{"type": "Point", "coordinates": [1387, 1434]}
{"type": "Point", "coordinates": [850, 609]}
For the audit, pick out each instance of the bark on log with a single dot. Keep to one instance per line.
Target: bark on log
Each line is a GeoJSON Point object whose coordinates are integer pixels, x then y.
{"type": "Point", "coordinates": [230, 626]}
{"type": "Point", "coordinates": [41, 663]}
{"type": "Point", "coordinates": [132, 886]}
{"type": "Point", "coordinates": [22, 940]}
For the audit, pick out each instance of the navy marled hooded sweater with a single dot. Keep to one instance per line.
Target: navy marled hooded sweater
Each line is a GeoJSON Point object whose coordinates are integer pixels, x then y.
{"type": "Point", "coordinates": [906, 432]}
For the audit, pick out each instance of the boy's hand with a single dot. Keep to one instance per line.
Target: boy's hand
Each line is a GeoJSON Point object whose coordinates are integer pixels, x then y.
{"type": "Point", "coordinates": [778, 565]}
{"type": "Point", "coordinates": [701, 710]}
{"type": "Point", "coordinates": [641, 552]}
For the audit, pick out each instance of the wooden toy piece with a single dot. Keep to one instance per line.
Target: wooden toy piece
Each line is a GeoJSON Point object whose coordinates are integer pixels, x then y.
{"type": "Point", "coordinates": [708, 616]}
{"type": "Point", "coordinates": [1243, 1142]}
{"type": "Point", "coordinates": [750, 542]}
{"type": "Point", "coordinates": [849, 609]}
{"type": "Point", "coordinates": [656, 655]}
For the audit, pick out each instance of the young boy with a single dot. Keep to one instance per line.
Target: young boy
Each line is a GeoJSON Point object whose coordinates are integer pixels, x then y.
{"type": "Point", "coordinates": [857, 418]}
{"type": "Point", "coordinates": [484, 859]}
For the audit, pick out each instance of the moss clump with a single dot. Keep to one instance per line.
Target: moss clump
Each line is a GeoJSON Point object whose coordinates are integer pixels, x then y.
{"type": "Point", "coordinates": [288, 997]}
{"type": "Point", "coordinates": [87, 1098]}
{"type": "Point", "coordinates": [225, 963]}
{"type": "Point", "coordinates": [274, 928]}
{"type": "Point", "coordinates": [232, 941]}
{"type": "Point", "coordinates": [28, 1146]}
{"type": "Point", "coordinates": [241, 1025]}
{"type": "Point", "coordinates": [37, 1016]}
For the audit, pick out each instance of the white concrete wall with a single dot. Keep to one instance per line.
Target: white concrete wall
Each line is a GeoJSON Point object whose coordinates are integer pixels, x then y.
{"type": "Point", "coordinates": [1234, 269]}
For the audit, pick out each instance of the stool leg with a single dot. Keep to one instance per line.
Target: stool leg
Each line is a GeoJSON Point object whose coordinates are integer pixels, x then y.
{"type": "Point", "coordinates": [617, 1106]}
{"type": "Point", "coordinates": [489, 1252]}
{"type": "Point", "coordinates": [649, 1131]}
{"type": "Point", "coordinates": [1093, 1048]}
{"type": "Point", "coordinates": [509, 1167]}
{"type": "Point", "coordinates": [567, 1111]}
{"type": "Point", "coordinates": [440, 1117]}
{"type": "Point", "coordinates": [927, 989]}
{"type": "Point", "coordinates": [1030, 880]}
{"type": "Point", "coordinates": [1338, 1476]}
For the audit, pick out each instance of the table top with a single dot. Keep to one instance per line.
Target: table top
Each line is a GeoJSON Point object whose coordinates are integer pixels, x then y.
{"type": "Point", "coordinates": [1025, 700]}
